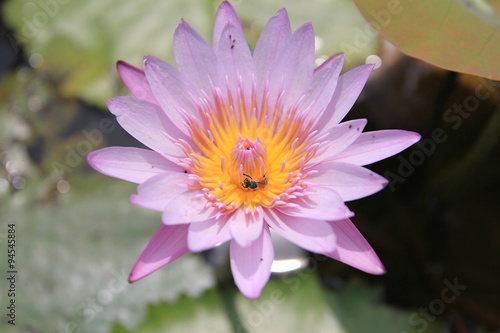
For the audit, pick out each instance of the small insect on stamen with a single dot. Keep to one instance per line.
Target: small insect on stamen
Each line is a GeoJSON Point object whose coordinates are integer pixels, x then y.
{"type": "Point", "coordinates": [251, 184]}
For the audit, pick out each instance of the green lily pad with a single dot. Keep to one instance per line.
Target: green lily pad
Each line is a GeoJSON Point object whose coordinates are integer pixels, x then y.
{"type": "Point", "coordinates": [359, 308]}
{"type": "Point", "coordinates": [293, 303]}
{"type": "Point", "coordinates": [186, 315]}
{"type": "Point", "coordinates": [451, 34]}
{"type": "Point", "coordinates": [74, 256]}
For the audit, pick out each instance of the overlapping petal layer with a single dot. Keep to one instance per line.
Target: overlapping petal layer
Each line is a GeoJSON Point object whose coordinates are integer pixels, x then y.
{"type": "Point", "coordinates": [245, 141]}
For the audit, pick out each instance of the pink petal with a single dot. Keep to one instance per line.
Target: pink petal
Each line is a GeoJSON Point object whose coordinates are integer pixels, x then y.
{"type": "Point", "coordinates": [328, 62]}
{"type": "Point", "coordinates": [350, 181]}
{"type": "Point", "coordinates": [158, 190]}
{"type": "Point", "coordinates": [134, 165]}
{"type": "Point", "coordinates": [225, 14]}
{"type": "Point", "coordinates": [246, 227]}
{"type": "Point", "coordinates": [136, 81]}
{"type": "Point", "coordinates": [320, 203]}
{"type": "Point", "coordinates": [320, 91]}
{"type": "Point", "coordinates": [187, 207]}
{"type": "Point", "coordinates": [273, 38]}
{"type": "Point", "coordinates": [147, 123]}
{"type": "Point", "coordinates": [251, 266]}
{"type": "Point", "coordinates": [207, 234]}
{"type": "Point", "coordinates": [167, 244]}
{"type": "Point", "coordinates": [348, 89]}
{"type": "Point", "coordinates": [293, 69]}
{"type": "Point", "coordinates": [353, 249]}
{"type": "Point", "coordinates": [173, 92]}
{"type": "Point", "coordinates": [194, 57]}
{"type": "Point", "coordinates": [313, 235]}
{"type": "Point", "coordinates": [337, 139]}
{"type": "Point", "coordinates": [236, 66]}
{"type": "Point", "coordinates": [374, 146]}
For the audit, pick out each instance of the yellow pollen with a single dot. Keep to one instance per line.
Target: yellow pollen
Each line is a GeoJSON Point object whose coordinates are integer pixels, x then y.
{"type": "Point", "coordinates": [247, 158]}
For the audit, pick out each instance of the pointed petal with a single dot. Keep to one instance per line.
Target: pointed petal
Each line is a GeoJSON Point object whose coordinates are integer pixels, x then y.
{"type": "Point", "coordinates": [195, 58]}
{"type": "Point", "coordinates": [350, 181]}
{"type": "Point", "coordinates": [328, 62]}
{"type": "Point", "coordinates": [236, 66]}
{"type": "Point", "coordinates": [187, 207]}
{"type": "Point", "coordinates": [348, 89]}
{"type": "Point", "coordinates": [167, 244]}
{"type": "Point", "coordinates": [136, 82]}
{"type": "Point", "coordinates": [225, 14]}
{"type": "Point", "coordinates": [353, 249]}
{"type": "Point", "coordinates": [293, 68]}
{"type": "Point", "coordinates": [320, 203]}
{"type": "Point", "coordinates": [313, 235]}
{"type": "Point", "coordinates": [374, 146]}
{"type": "Point", "coordinates": [158, 190]}
{"type": "Point", "coordinates": [337, 139]}
{"type": "Point", "coordinates": [251, 266]}
{"type": "Point", "coordinates": [173, 92]}
{"type": "Point", "coordinates": [246, 227]}
{"type": "Point", "coordinates": [321, 89]}
{"type": "Point", "coordinates": [147, 123]}
{"type": "Point", "coordinates": [272, 40]}
{"type": "Point", "coordinates": [207, 234]}
{"type": "Point", "coordinates": [134, 165]}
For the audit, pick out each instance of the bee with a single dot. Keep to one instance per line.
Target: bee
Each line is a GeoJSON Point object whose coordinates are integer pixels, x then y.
{"type": "Point", "coordinates": [251, 184]}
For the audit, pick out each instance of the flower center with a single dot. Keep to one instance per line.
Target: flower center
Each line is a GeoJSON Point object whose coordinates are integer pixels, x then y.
{"type": "Point", "coordinates": [248, 159]}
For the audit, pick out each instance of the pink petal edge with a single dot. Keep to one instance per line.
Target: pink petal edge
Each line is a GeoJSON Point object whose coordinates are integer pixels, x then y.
{"type": "Point", "coordinates": [174, 93]}
{"type": "Point", "coordinates": [251, 266]}
{"type": "Point", "coordinates": [136, 82]}
{"type": "Point", "coordinates": [337, 139]}
{"type": "Point", "coordinates": [321, 90]}
{"type": "Point", "coordinates": [374, 146]}
{"type": "Point", "coordinates": [292, 71]}
{"type": "Point", "coordinates": [350, 181]}
{"type": "Point", "coordinates": [208, 234]}
{"type": "Point", "coordinates": [312, 235]}
{"type": "Point", "coordinates": [134, 165]}
{"type": "Point", "coordinates": [353, 249]}
{"type": "Point", "coordinates": [348, 89]}
{"type": "Point", "coordinates": [158, 190]}
{"type": "Point", "coordinates": [147, 123]}
{"type": "Point", "coordinates": [187, 207]}
{"type": "Point", "coordinates": [195, 59]}
{"type": "Point", "coordinates": [225, 14]}
{"type": "Point", "coordinates": [272, 40]}
{"type": "Point", "coordinates": [166, 245]}
{"type": "Point", "coordinates": [236, 67]}
{"type": "Point", "coordinates": [320, 203]}
{"type": "Point", "coordinates": [328, 62]}
{"type": "Point", "coordinates": [246, 228]}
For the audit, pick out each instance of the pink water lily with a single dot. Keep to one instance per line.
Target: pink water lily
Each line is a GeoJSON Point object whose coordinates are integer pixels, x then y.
{"type": "Point", "coordinates": [243, 142]}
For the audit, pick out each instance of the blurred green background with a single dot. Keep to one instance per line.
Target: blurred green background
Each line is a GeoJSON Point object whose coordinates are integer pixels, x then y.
{"type": "Point", "coordinates": [437, 223]}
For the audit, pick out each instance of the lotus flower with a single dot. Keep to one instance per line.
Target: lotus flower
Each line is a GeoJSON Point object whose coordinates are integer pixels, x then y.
{"type": "Point", "coordinates": [243, 142]}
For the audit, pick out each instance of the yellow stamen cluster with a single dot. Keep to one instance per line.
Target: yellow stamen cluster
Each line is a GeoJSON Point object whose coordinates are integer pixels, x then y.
{"type": "Point", "coordinates": [251, 158]}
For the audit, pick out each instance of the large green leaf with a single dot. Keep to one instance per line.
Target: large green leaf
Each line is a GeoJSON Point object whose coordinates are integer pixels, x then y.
{"type": "Point", "coordinates": [294, 303]}
{"type": "Point", "coordinates": [451, 33]}
{"type": "Point", "coordinates": [74, 256]}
